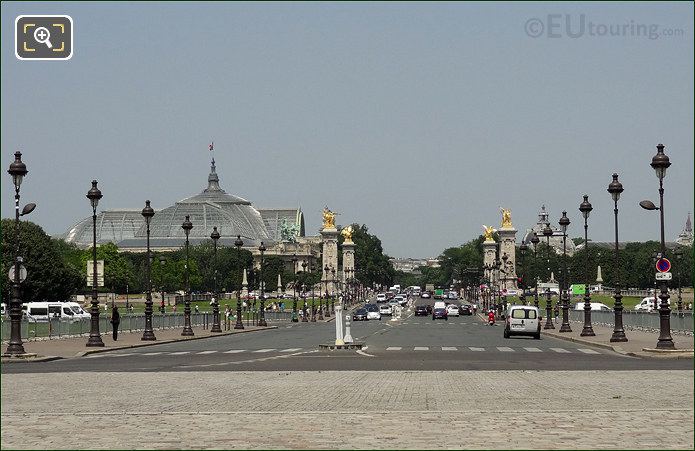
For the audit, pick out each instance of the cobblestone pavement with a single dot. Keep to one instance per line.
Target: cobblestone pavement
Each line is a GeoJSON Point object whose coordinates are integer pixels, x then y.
{"type": "Point", "coordinates": [348, 409]}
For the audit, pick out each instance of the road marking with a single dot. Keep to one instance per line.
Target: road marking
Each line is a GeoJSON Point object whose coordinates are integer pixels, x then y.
{"type": "Point", "coordinates": [94, 356]}
{"type": "Point", "coordinates": [394, 348]}
{"type": "Point", "coordinates": [265, 350]}
{"type": "Point", "coordinates": [560, 350]}
{"type": "Point", "coordinates": [449, 348]}
{"type": "Point", "coordinates": [291, 350]}
{"type": "Point", "coordinates": [359, 351]}
{"type": "Point", "coordinates": [180, 353]}
{"type": "Point", "coordinates": [206, 352]}
{"type": "Point", "coordinates": [588, 351]}
{"type": "Point", "coordinates": [476, 349]}
{"type": "Point", "coordinates": [234, 351]}
{"type": "Point", "coordinates": [421, 348]}
{"type": "Point", "coordinates": [504, 349]}
{"type": "Point", "coordinates": [152, 353]}
{"type": "Point", "coordinates": [533, 350]}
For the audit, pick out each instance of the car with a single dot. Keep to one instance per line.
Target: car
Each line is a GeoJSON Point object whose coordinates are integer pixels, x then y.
{"type": "Point", "coordinates": [385, 310]}
{"type": "Point", "coordinates": [452, 310]}
{"type": "Point", "coordinates": [372, 311]}
{"type": "Point", "coordinates": [425, 295]}
{"type": "Point", "coordinates": [522, 320]}
{"type": "Point", "coordinates": [421, 310]}
{"type": "Point", "coordinates": [360, 315]}
{"type": "Point", "coordinates": [595, 306]}
{"type": "Point", "coordinates": [452, 295]}
{"type": "Point", "coordinates": [466, 309]}
{"type": "Point", "coordinates": [439, 313]}
{"type": "Point", "coordinates": [394, 303]}
{"type": "Point", "coordinates": [381, 297]}
{"type": "Point", "coordinates": [401, 300]}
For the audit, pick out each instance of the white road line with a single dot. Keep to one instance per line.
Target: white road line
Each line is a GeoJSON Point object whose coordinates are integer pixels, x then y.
{"type": "Point", "coordinates": [96, 356]}
{"type": "Point", "coordinates": [180, 353]}
{"type": "Point", "coordinates": [421, 348]}
{"type": "Point", "coordinates": [476, 349]}
{"type": "Point", "coordinates": [533, 350]}
{"type": "Point", "coordinates": [206, 352]}
{"type": "Point", "coordinates": [449, 348]}
{"type": "Point", "coordinates": [264, 350]}
{"type": "Point", "coordinates": [152, 353]}
{"type": "Point", "coordinates": [291, 350]}
{"type": "Point", "coordinates": [394, 348]}
{"type": "Point", "coordinates": [504, 349]}
{"type": "Point", "coordinates": [560, 350]}
{"type": "Point", "coordinates": [234, 351]}
{"type": "Point", "coordinates": [588, 351]}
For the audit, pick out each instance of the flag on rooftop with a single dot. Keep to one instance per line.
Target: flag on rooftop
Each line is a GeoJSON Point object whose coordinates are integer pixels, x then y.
{"type": "Point", "coordinates": [211, 146]}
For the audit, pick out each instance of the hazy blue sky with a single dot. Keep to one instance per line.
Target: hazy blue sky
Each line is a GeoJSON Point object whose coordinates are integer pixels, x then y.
{"type": "Point", "coordinates": [418, 120]}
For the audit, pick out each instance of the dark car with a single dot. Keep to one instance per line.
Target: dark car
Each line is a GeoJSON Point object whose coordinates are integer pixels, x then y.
{"type": "Point", "coordinates": [466, 309]}
{"type": "Point", "coordinates": [439, 313]}
{"type": "Point", "coordinates": [360, 315]}
{"type": "Point", "coordinates": [421, 310]}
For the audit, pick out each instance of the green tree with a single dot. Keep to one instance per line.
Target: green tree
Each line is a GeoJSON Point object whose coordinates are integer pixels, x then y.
{"type": "Point", "coordinates": [372, 266]}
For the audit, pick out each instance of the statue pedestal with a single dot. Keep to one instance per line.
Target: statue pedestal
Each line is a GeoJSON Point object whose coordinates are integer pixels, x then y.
{"type": "Point", "coordinates": [508, 246]}
{"type": "Point", "coordinates": [329, 239]}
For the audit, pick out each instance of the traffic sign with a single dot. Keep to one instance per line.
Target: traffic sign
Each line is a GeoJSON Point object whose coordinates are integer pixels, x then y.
{"type": "Point", "coordinates": [22, 273]}
{"type": "Point", "coordinates": [663, 265]}
{"type": "Point", "coordinates": [100, 273]}
{"type": "Point", "coordinates": [663, 276]}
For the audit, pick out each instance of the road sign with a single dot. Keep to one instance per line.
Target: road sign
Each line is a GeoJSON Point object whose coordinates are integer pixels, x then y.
{"type": "Point", "coordinates": [663, 265]}
{"type": "Point", "coordinates": [100, 273]}
{"type": "Point", "coordinates": [663, 276]}
{"type": "Point", "coordinates": [22, 273]}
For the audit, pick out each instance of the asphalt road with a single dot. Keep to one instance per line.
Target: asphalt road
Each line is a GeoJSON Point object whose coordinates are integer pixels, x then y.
{"type": "Point", "coordinates": [412, 343]}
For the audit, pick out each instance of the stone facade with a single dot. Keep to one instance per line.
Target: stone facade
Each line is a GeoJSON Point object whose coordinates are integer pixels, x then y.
{"type": "Point", "coordinates": [489, 255]}
{"type": "Point", "coordinates": [348, 260]}
{"type": "Point", "coordinates": [508, 247]}
{"type": "Point", "coordinates": [330, 256]}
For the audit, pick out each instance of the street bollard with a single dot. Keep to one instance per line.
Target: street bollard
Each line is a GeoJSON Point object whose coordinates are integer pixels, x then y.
{"type": "Point", "coordinates": [338, 326]}
{"type": "Point", "coordinates": [348, 336]}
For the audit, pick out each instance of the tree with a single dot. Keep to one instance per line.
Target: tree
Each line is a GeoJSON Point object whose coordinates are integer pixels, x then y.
{"type": "Point", "coordinates": [372, 266]}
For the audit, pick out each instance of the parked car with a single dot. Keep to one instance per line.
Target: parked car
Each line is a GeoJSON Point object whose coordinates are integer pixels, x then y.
{"type": "Point", "coordinates": [439, 313]}
{"type": "Point", "coordinates": [360, 315]}
{"type": "Point", "coordinates": [452, 310]}
{"type": "Point", "coordinates": [595, 306]}
{"type": "Point", "coordinates": [385, 309]}
{"type": "Point", "coordinates": [372, 311]}
{"type": "Point", "coordinates": [421, 310]}
{"type": "Point", "coordinates": [522, 320]}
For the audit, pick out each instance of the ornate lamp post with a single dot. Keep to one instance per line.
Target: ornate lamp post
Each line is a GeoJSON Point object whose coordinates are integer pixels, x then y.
{"type": "Point", "coordinates": [215, 235]}
{"type": "Point", "coordinates": [334, 293]}
{"type": "Point", "coordinates": [239, 323]}
{"type": "Point", "coordinates": [325, 285]}
{"type": "Point", "coordinates": [587, 331]}
{"type": "Point", "coordinates": [94, 194]}
{"type": "Point", "coordinates": [148, 334]}
{"type": "Point", "coordinates": [534, 241]}
{"type": "Point", "coordinates": [660, 162]}
{"type": "Point", "coordinates": [679, 259]}
{"type": "Point", "coordinates": [304, 316]}
{"type": "Point", "coordinates": [615, 188]}
{"type": "Point", "coordinates": [313, 301]}
{"type": "Point", "coordinates": [522, 250]}
{"type": "Point", "coordinates": [565, 327]}
{"type": "Point", "coordinates": [294, 289]}
{"type": "Point", "coordinates": [261, 320]}
{"type": "Point", "coordinates": [547, 233]}
{"type": "Point", "coordinates": [187, 330]}
{"type": "Point", "coordinates": [162, 262]}
{"type": "Point", "coordinates": [505, 258]}
{"type": "Point", "coordinates": [18, 170]}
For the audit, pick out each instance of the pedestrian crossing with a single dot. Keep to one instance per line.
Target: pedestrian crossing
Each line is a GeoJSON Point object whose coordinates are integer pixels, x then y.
{"type": "Point", "coordinates": [388, 349]}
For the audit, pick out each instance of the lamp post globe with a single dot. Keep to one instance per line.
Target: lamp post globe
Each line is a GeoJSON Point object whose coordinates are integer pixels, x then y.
{"type": "Point", "coordinates": [238, 243]}
{"type": "Point", "coordinates": [94, 195]}
{"type": "Point", "coordinates": [148, 333]}
{"type": "Point", "coordinates": [660, 162]}
{"type": "Point", "coordinates": [187, 225]}
{"type": "Point", "coordinates": [585, 208]}
{"type": "Point", "coordinates": [215, 236]}
{"type": "Point", "coordinates": [564, 290]}
{"type": "Point", "coordinates": [261, 320]}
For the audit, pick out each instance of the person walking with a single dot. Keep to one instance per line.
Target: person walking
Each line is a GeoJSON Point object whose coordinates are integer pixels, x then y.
{"type": "Point", "coordinates": [115, 321]}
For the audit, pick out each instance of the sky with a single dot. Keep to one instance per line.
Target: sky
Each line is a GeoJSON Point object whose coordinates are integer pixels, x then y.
{"type": "Point", "coordinates": [419, 120]}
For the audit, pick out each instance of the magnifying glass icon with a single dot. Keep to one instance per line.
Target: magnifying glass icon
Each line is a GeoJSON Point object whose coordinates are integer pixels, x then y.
{"type": "Point", "coordinates": [42, 36]}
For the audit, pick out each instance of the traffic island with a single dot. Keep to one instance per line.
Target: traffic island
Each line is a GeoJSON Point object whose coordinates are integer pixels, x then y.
{"type": "Point", "coordinates": [335, 347]}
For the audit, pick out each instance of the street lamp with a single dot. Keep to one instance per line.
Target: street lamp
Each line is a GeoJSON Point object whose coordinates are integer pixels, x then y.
{"type": "Point", "coordinates": [304, 318]}
{"type": "Point", "coordinates": [565, 327]}
{"type": "Point", "coordinates": [679, 258]}
{"type": "Point", "coordinates": [239, 323]}
{"type": "Point", "coordinates": [215, 235]}
{"type": "Point", "coordinates": [187, 330]}
{"type": "Point", "coordinates": [313, 300]}
{"type": "Point", "coordinates": [261, 320]}
{"type": "Point", "coordinates": [334, 293]}
{"type": "Point", "coordinates": [505, 257]}
{"type": "Point", "coordinates": [294, 289]}
{"type": "Point", "coordinates": [547, 233]}
{"type": "Point", "coordinates": [94, 194]}
{"type": "Point", "coordinates": [615, 188]}
{"type": "Point", "coordinates": [522, 250]}
{"type": "Point", "coordinates": [325, 284]}
{"type": "Point", "coordinates": [162, 262]}
{"type": "Point", "coordinates": [148, 334]}
{"type": "Point", "coordinates": [15, 348]}
{"type": "Point", "coordinates": [534, 241]}
{"type": "Point", "coordinates": [588, 331]}
{"type": "Point", "coordinates": [660, 162]}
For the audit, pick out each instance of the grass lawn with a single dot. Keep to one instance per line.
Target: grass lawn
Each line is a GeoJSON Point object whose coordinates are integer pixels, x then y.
{"type": "Point", "coordinates": [204, 306]}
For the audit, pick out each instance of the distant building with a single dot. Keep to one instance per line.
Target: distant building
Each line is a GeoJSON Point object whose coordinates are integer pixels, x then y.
{"type": "Point", "coordinates": [555, 239]}
{"type": "Point", "coordinates": [685, 238]}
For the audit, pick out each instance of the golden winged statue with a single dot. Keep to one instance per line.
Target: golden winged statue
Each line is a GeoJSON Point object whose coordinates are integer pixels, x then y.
{"type": "Point", "coordinates": [506, 218]}
{"type": "Point", "coordinates": [347, 233]}
{"type": "Point", "coordinates": [328, 218]}
{"type": "Point", "coordinates": [488, 231]}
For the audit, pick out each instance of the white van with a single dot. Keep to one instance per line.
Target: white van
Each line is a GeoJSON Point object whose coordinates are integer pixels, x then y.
{"type": "Point", "coordinates": [43, 311]}
{"type": "Point", "coordinates": [522, 320]}
{"type": "Point", "coordinates": [595, 306]}
{"type": "Point", "coordinates": [77, 309]}
{"type": "Point", "coordinates": [649, 304]}
{"type": "Point", "coordinates": [439, 304]}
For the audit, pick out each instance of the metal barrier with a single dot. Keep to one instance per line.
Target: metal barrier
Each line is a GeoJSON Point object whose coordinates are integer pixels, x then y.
{"type": "Point", "coordinates": [680, 323]}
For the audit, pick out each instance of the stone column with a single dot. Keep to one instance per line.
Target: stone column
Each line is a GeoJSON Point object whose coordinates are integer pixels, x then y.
{"type": "Point", "coordinates": [489, 253]}
{"type": "Point", "coordinates": [508, 246]}
{"type": "Point", "coordinates": [348, 259]}
{"type": "Point", "coordinates": [330, 255]}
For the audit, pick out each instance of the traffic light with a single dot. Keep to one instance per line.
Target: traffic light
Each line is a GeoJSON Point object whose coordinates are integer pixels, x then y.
{"type": "Point", "coordinates": [520, 282]}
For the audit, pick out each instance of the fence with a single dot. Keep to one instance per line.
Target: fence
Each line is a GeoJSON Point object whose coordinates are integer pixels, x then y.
{"type": "Point", "coordinates": [680, 323]}
{"type": "Point", "coordinates": [56, 328]}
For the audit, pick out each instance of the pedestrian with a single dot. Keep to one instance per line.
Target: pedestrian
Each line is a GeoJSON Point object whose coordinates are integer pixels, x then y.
{"type": "Point", "coordinates": [690, 305]}
{"type": "Point", "coordinates": [174, 308]}
{"type": "Point", "coordinates": [197, 310]}
{"type": "Point", "coordinates": [115, 321]}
